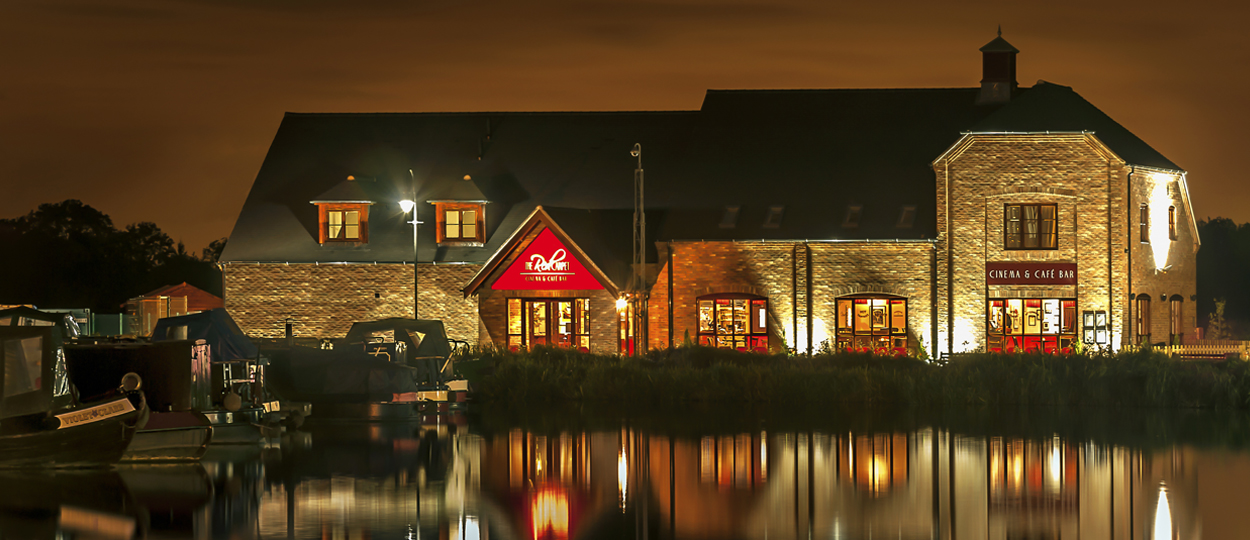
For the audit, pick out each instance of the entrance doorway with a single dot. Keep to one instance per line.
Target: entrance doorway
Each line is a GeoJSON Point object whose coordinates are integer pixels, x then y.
{"type": "Point", "coordinates": [556, 322]}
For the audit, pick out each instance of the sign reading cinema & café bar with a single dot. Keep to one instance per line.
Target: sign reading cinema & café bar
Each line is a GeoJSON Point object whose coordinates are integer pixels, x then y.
{"type": "Point", "coordinates": [1030, 273]}
{"type": "Point", "coordinates": [546, 264]}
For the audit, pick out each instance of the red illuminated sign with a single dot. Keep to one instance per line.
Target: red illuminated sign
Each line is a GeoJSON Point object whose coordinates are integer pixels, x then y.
{"type": "Point", "coordinates": [1030, 273]}
{"type": "Point", "coordinates": [546, 264]}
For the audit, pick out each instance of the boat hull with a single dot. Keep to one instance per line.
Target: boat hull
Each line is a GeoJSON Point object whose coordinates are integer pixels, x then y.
{"type": "Point", "coordinates": [170, 444]}
{"type": "Point", "coordinates": [92, 443]}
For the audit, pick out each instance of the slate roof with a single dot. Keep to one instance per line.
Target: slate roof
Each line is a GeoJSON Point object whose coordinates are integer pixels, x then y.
{"type": "Point", "coordinates": [813, 153]}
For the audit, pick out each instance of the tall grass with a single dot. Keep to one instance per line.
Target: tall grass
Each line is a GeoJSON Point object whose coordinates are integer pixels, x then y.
{"type": "Point", "coordinates": [701, 374]}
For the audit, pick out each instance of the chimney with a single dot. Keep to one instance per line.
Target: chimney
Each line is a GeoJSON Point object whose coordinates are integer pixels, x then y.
{"type": "Point", "coordinates": [998, 71]}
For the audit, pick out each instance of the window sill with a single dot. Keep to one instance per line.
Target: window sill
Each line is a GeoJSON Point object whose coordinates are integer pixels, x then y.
{"type": "Point", "coordinates": [461, 243]}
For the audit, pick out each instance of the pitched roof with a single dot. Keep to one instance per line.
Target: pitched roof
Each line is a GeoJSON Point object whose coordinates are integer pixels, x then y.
{"type": "Point", "coordinates": [348, 190]}
{"type": "Point", "coordinates": [811, 154]}
{"type": "Point", "coordinates": [1048, 107]}
{"type": "Point", "coordinates": [197, 299]}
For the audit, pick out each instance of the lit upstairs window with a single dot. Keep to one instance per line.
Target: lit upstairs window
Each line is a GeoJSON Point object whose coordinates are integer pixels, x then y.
{"type": "Point", "coordinates": [344, 223]}
{"type": "Point", "coordinates": [773, 219]}
{"type": "Point", "coordinates": [343, 213]}
{"type": "Point", "coordinates": [460, 223]}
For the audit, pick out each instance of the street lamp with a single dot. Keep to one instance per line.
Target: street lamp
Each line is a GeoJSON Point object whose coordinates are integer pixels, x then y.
{"type": "Point", "coordinates": [410, 206]}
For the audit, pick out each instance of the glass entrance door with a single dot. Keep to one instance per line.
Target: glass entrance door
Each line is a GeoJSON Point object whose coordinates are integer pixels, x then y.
{"type": "Point", "coordinates": [558, 322]}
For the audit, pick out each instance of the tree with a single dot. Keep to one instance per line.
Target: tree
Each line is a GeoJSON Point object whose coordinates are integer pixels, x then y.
{"type": "Point", "coordinates": [1216, 327]}
{"type": "Point", "coordinates": [212, 253]}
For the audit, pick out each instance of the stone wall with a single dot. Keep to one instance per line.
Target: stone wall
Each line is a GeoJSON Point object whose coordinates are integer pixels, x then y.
{"type": "Point", "coordinates": [325, 299]}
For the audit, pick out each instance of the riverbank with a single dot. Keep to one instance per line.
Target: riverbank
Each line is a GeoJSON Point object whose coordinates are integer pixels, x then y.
{"type": "Point", "coordinates": [701, 374]}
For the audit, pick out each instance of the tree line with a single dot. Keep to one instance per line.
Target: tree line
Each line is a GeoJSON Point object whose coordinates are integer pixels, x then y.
{"type": "Point", "coordinates": [1224, 277]}
{"type": "Point", "coordinates": [70, 255]}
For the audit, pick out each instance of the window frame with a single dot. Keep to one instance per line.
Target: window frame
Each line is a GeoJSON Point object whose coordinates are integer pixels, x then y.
{"type": "Point", "coordinates": [1176, 319]}
{"type": "Point", "coordinates": [520, 326]}
{"type": "Point", "coordinates": [325, 221]}
{"type": "Point", "coordinates": [1141, 318]}
{"type": "Point", "coordinates": [1019, 232]}
{"type": "Point", "coordinates": [890, 337]}
{"type": "Point", "coordinates": [443, 209]}
{"type": "Point", "coordinates": [1144, 223]}
{"type": "Point", "coordinates": [1172, 223]}
{"type": "Point", "coordinates": [754, 337]}
{"type": "Point", "coordinates": [999, 324]}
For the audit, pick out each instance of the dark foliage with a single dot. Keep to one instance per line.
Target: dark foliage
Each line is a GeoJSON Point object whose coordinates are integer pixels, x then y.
{"type": "Point", "coordinates": [69, 255]}
{"type": "Point", "coordinates": [1223, 267]}
{"type": "Point", "coordinates": [701, 374]}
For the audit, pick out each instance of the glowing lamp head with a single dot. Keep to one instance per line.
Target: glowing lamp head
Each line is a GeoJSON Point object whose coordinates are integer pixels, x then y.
{"type": "Point", "coordinates": [621, 303]}
{"type": "Point", "coordinates": [406, 205]}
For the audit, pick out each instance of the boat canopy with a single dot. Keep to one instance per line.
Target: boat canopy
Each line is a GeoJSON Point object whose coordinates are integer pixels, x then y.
{"type": "Point", "coordinates": [226, 340]}
{"type": "Point", "coordinates": [24, 316]}
{"type": "Point", "coordinates": [34, 376]}
{"type": "Point", "coordinates": [424, 338]}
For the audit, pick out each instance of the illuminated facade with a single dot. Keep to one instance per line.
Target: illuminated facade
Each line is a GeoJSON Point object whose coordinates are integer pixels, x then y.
{"type": "Point", "coordinates": [890, 221]}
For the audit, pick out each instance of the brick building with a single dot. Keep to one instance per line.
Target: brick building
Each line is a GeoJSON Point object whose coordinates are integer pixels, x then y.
{"type": "Point", "coordinates": [994, 217]}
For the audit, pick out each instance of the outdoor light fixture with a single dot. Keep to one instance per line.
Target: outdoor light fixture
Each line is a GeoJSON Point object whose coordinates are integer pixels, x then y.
{"type": "Point", "coordinates": [1163, 297]}
{"type": "Point", "coordinates": [1160, 238]}
{"type": "Point", "coordinates": [408, 205]}
{"type": "Point", "coordinates": [621, 303]}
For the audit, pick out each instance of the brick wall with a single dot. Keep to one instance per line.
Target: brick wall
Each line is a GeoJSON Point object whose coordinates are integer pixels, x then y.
{"type": "Point", "coordinates": [324, 300]}
{"type": "Point", "coordinates": [1088, 184]}
{"type": "Point", "coordinates": [1176, 273]}
{"type": "Point", "coordinates": [779, 272]}
{"type": "Point", "coordinates": [493, 304]}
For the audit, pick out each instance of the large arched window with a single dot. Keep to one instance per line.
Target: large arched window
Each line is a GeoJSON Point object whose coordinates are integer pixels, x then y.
{"type": "Point", "coordinates": [872, 323]}
{"type": "Point", "coordinates": [734, 321]}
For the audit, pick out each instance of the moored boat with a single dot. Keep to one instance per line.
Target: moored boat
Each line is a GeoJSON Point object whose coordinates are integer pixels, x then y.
{"type": "Point", "coordinates": [42, 422]}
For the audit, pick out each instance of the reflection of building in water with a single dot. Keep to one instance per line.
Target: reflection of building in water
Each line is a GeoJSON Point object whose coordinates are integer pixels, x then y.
{"type": "Point", "coordinates": [926, 484]}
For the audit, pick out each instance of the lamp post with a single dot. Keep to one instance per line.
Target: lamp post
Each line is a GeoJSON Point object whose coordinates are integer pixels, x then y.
{"type": "Point", "coordinates": [407, 206]}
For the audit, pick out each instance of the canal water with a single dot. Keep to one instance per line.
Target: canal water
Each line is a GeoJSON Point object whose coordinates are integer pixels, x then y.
{"type": "Point", "coordinates": [781, 473]}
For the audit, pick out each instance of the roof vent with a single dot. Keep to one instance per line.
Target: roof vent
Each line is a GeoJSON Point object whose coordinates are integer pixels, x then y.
{"type": "Point", "coordinates": [773, 219]}
{"type": "Point", "coordinates": [851, 221]}
{"type": "Point", "coordinates": [998, 71]}
{"type": "Point", "coordinates": [906, 217]}
{"type": "Point", "coordinates": [729, 219]}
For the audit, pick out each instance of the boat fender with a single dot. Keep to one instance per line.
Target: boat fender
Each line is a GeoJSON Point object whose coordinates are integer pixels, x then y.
{"type": "Point", "coordinates": [232, 402]}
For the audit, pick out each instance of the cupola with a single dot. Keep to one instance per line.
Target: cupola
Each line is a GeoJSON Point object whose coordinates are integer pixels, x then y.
{"type": "Point", "coordinates": [998, 71]}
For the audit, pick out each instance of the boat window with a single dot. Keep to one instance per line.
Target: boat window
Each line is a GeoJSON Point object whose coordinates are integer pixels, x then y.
{"type": "Point", "coordinates": [23, 365]}
{"type": "Point", "coordinates": [415, 337]}
{"type": "Point", "coordinates": [176, 332]}
{"type": "Point", "coordinates": [60, 379]}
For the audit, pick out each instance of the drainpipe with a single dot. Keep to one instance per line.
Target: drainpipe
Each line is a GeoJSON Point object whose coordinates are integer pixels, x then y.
{"type": "Point", "coordinates": [950, 270]}
{"type": "Point", "coordinates": [671, 276]}
{"type": "Point", "coordinates": [807, 256]}
{"type": "Point", "coordinates": [1131, 331]}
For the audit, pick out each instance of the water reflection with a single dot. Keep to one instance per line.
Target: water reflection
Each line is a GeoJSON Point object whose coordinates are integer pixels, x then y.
{"type": "Point", "coordinates": [625, 479]}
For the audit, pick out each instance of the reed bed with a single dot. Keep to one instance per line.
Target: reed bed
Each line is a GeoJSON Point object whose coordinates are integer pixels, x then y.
{"type": "Point", "coordinates": [701, 374]}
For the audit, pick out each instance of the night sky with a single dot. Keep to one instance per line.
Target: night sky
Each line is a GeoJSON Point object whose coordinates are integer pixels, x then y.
{"type": "Point", "coordinates": [163, 110]}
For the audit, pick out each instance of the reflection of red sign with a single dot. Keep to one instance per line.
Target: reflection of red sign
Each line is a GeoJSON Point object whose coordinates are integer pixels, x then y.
{"type": "Point", "coordinates": [546, 264]}
{"type": "Point", "coordinates": [1030, 273]}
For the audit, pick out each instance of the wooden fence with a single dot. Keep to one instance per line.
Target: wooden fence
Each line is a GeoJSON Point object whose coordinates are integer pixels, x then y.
{"type": "Point", "coordinates": [1209, 349]}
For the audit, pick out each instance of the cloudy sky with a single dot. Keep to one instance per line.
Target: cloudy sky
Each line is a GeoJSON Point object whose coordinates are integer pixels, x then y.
{"type": "Point", "coordinates": [163, 110]}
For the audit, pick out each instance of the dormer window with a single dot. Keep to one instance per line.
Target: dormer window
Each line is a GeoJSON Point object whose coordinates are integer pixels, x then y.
{"type": "Point", "coordinates": [729, 219]}
{"type": "Point", "coordinates": [343, 214]}
{"type": "Point", "coordinates": [773, 219]}
{"type": "Point", "coordinates": [906, 217]}
{"type": "Point", "coordinates": [851, 220]}
{"type": "Point", "coordinates": [460, 223]}
{"type": "Point", "coordinates": [344, 222]}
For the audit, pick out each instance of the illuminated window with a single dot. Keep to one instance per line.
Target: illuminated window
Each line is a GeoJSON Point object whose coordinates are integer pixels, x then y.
{"type": "Point", "coordinates": [1030, 226]}
{"type": "Point", "coordinates": [1145, 224]}
{"type": "Point", "coordinates": [734, 321]}
{"type": "Point", "coordinates": [1176, 312]}
{"type": "Point", "coordinates": [460, 222]}
{"type": "Point", "coordinates": [1031, 325]}
{"type": "Point", "coordinates": [1143, 319]}
{"type": "Point", "coordinates": [1172, 222]}
{"type": "Point", "coordinates": [872, 324]}
{"type": "Point", "coordinates": [560, 322]}
{"type": "Point", "coordinates": [344, 222]}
